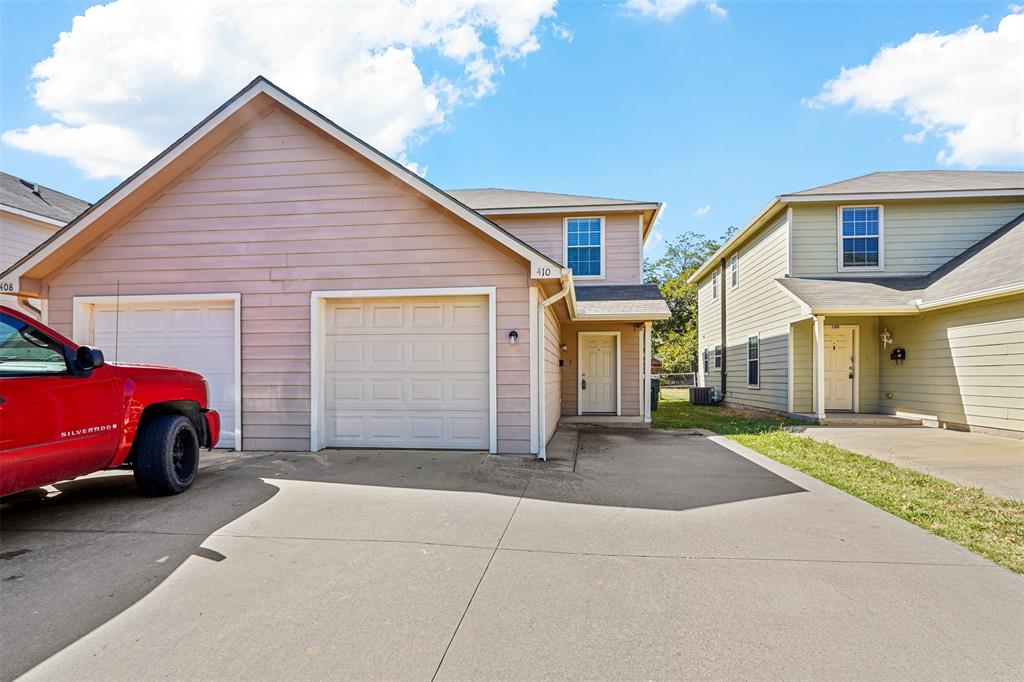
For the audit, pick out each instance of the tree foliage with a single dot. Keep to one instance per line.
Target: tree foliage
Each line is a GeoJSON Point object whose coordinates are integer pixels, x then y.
{"type": "Point", "coordinates": [675, 340]}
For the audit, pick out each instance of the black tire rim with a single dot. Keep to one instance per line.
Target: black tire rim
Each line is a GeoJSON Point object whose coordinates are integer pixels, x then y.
{"type": "Point", "coordinates": [183, 455]}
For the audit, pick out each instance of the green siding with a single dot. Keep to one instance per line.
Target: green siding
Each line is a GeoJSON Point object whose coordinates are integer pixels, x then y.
{"type": "Point", "coordinates": [803, 366]}
{"type": "Point", "coordinates": [965, 365]}
{"type": "Point", "coordinates": [919, 236]}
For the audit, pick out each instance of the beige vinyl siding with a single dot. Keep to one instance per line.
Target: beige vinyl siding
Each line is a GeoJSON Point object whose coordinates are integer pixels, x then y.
{"type": "Point", "coordinates": [552, 372]}
{"type": "Point", "coordinates": [758, 306]}
{"type": "Point", "coordinates": [19, 235]}
{"type": "Point", "coordinates": [630, 371]}
{"type": "Point", "coordinates": [709, 330]}
{"type": "Point", "coordinates": [279, 211]}
{"type": "Point", "coordinates": [964, 366]}
{"type": "Point", "coordinates": [919, 236]}
{"type": "Point", "coordinates": [803, 366]}
{"type": "Point", "coordinates": [546, 233]}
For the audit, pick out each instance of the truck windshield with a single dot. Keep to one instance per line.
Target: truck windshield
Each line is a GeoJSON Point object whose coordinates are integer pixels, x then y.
{"type": "Point", "coordinates": [26, 350]}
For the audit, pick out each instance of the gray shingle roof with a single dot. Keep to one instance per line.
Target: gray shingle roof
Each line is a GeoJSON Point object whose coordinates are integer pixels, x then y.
{"type": "Point", "coordinates": [493, 197]}
{"type": "Point", "coordinates": [642, 300]}
{"type": "Point", "coordinates": [26, 196]}
{"type": "Point", "coordinates": [992, 263]}
{"type": "Point", "coordinates": [920, 181]}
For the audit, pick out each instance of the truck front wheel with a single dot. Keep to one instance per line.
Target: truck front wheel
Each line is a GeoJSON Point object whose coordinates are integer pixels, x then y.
{"type": "Point", "coordinates": [167, 456]}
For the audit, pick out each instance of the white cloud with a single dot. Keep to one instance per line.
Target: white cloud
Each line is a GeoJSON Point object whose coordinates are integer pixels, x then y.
{"type": "Point", "coordinates": [666, 10]}
{"type": "Point", "coordinates": [702, 211]}
{"type": "Point", "coordinates": [130, 77]}
{"type": "Point", "coordinates": [966, 88]}
{"type": "Point", "coordinates": [562, 32]}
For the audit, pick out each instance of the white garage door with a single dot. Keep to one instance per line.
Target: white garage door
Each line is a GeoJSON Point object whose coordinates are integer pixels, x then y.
{"type": "Point", "coordinates": [407, 373]}
{"type": "Point", "coordinates": [196, 336]}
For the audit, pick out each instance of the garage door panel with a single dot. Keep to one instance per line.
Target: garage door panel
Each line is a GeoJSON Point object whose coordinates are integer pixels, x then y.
{"type": "Point", "coordinates": [195, 336]}
{"type": "Point", "coordinates": [407, 373]}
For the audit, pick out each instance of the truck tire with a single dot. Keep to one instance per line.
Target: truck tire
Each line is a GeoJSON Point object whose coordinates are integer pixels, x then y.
{"type": "Point", "coordinates": [167, 457]}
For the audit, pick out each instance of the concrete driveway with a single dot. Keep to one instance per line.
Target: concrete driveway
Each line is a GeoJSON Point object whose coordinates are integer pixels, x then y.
{"type": "Point", "coordinates": [661, 556]}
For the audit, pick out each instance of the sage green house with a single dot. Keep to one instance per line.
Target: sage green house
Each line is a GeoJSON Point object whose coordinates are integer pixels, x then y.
{"type": "Point", "coordinates": [895, 293]}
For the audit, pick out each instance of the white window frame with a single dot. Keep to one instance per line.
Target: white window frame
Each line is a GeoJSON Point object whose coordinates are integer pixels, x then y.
{"type": "Point", "coordinates": [757, 360]}
{"type": "Point", "coordinates": [717, 354]}
{"type": "Point", "coordinates": [714, 285]}
{"type": "Point", "coordinates": [565, 244]}
{"type": "Point", "coordinates": [84, 309]}
{"type": "Point", "coordinates": [881, 240]}
{"type": "Point", "coordinates": [734, 270]}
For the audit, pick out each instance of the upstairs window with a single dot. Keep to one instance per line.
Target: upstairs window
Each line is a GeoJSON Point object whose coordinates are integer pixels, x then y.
{"type": "Point", "coordinates": [584, 246]}
{"type": "Point", "coordinates": [706, 355]}
{"type": "Point", "coordinates": [734, 270]}
{"type": "Point", "coordinates": [718, 357]}
{"type": "Point", "coordinates": [860, 237]}
{"type": "Point", "coordinates": [753, 362]}
{"type": "Point", "coordinates": [714, 286]}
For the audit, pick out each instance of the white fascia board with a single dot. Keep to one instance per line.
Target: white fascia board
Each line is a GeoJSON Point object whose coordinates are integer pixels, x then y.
{"type": "Point", "coordinates": [621, 318]}
{"type": "Point", "coordinates": [31, 216]}
{"type": "Point", "coordinates": [893, 196]}
{"type": "Point", "coordinates": [590, 208]}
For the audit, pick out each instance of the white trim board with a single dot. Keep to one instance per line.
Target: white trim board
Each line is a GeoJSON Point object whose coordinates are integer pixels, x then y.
{"type": "Point", "coordinates": [541, 266]}
{"type": "Point", "coordinates": [618, 369]}
{"type": "Point", "coordinates": [82, 329]}
{"type": "Point", "coordinates": [317, 303]}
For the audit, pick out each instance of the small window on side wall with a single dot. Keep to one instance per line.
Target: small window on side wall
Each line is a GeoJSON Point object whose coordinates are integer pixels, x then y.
{"type": "Point", "coordinates": [860, 238]}
{"type": "Point", "coordinates": [718, 357]}
{"type": "Point", "coordinates": [584, 246]}
{"type": "Point", "coordinates": [714, 286]}
{"type": "Point", "coordinates": [753, 362]}
{"type": "Point", "coordinates": [706, 355]}
{"type": "Point", "coordinates": [734, 270]}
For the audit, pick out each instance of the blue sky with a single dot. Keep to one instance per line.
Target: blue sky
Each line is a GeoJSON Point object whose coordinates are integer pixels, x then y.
{"type": "Point", "coordinates": [697, 110]}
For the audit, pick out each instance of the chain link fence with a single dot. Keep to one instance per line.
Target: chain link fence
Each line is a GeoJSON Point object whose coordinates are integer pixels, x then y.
{"type": "Point", "coordinates": [678, 380]}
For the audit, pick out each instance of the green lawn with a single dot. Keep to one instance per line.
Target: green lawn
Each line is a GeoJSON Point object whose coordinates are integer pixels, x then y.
{"type": "Point", "coordinates": [990, 526]}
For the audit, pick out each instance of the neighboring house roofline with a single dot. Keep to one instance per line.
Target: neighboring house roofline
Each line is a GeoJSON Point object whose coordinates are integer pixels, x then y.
{"type": "Point", "coordinates": [33, 266]}
{"type": "Point", "coordinates": [31, 216]}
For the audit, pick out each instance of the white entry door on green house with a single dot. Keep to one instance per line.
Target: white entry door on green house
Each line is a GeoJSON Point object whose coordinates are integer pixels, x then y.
{"type": "Point", "coordinates": [407, 372]}
{"type": "Point", "coordinates": [839, 368]}
{"type": "Point", "coordinates": [198, 336]}
{"type": "Point", "coordinates": [598, 391]}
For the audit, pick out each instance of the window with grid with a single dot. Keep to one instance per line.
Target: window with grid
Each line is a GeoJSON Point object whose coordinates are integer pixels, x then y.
{"type": "Point", "coordinates": [753, 361]}
{"type": "Point", "coordinates": [714, 286]}
{"type": "Point", "coordinates": [706, 361]}
{"type": "Point", "coordinates": [583, 246]}
{"type": "Point", "coordinates": [861, 229]}
{"type": "Point", "coordinates": [735, 269]}
{"type": "Point", "coordinates": [718, 357]}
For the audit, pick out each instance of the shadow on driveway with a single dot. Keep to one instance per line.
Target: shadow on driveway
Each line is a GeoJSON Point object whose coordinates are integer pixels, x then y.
{"type": "Point", "coordinates": [72, 561]}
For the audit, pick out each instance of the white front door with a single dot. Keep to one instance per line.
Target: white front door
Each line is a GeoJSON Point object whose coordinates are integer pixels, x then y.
{"type": "Point", "coordinates": [597, 374]}
{"type": "Point", "coordinates": [839, 368]}
{"type": "Point", "coordinates": [407, 372]}
{"type": "Point", "coordinates": [194, 335]}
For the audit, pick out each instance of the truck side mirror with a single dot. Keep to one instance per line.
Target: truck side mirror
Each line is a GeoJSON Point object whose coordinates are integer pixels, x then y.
{"type": "Point", "coordinates": [88, 357]}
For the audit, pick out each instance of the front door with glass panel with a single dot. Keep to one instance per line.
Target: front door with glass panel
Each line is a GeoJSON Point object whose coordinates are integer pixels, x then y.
{"type": "Point", "coordinates": [598, 375]}
{"type": "Point", "coordinates": [839, 368]}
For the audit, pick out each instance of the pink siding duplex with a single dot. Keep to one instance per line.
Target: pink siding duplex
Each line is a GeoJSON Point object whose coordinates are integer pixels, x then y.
{"type": "Point", "coordinates": [335, 299]}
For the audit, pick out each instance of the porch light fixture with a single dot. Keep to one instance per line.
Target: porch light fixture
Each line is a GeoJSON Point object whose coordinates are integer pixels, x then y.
{"type": "Point", "coordinates": [513, 336]}
{"type": "Point", "coordinates": [886, 338]}
{"type": "Point", "coordinates": [564, 347]}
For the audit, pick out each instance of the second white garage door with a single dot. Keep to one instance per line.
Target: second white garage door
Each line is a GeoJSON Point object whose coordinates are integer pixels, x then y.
{"type": "Point", "coordinates": [198, 336]}
{"type": "Point", "coordinates": [407, 373]}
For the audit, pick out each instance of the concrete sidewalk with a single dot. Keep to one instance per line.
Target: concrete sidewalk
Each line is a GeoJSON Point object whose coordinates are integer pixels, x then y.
{"type": "Point", "coordinates": [662, 556]}
{"type": "Point", "coordinates": [975, 460]}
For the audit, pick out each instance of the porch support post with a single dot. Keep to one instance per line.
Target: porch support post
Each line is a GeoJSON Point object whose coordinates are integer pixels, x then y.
{"type": "Point", "coordinates": [819, 366]}
{"type": "Point", "coordinates": [647, 372]}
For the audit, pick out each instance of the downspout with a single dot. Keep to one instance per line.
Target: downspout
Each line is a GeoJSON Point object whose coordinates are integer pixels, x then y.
{"type": "Point", "coordinates": [541, 420]}
{"type": "Point", "coordinates": [725, 347]}
{"type": "Point", "coordinates": [29, 308]}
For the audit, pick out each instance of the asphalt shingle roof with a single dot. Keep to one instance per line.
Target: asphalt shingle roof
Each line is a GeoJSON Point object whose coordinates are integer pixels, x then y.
{"type": "Point", "coordinates": [643, 300]}
{"type": "Point", "coordinates": [992, 263]}
{"type": "Point", "coordinates": [26, 196]}
{"type": "Point", "coordinates": [920, 181]}
{"type": "Point", "coordinates": [494, 197]}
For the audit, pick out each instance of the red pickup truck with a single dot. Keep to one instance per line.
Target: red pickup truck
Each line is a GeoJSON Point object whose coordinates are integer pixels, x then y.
{"type": "Point", "coordinates": [64, 412]}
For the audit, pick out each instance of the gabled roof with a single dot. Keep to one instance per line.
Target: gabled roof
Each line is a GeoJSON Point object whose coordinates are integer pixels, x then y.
{"type": "Point", "coordinates": [28, 197]}
{"type": "Point", "coordinates": [882, 186]}
{"type": "Point", "coordinates": [920, 181]}
{"type": "Point", "coordinates": [27, 272]}
{"type": "Point", "coordinates": [991, 267]}
{"type": "Point", "coordinates": [627, 301]}
{"type": "Point", "coordinates": [494, 198]}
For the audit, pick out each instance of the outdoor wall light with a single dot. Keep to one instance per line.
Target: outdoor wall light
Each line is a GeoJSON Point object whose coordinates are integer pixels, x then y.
{"type": "Point", "coordinates": [513, 336]}
{"type": "Point", "coordinates": [564, 347]}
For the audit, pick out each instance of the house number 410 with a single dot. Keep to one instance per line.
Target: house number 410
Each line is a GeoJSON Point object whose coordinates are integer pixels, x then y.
{"type": "Point", "coordinates": [543, 272]}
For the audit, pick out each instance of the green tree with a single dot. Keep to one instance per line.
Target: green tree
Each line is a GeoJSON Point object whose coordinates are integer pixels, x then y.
{"type": "Point", "coordinates": [675, 340]}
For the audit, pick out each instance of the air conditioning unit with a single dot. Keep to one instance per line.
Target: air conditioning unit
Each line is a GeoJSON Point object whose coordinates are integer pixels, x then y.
{"type": "Point", "coordinates": [702, 395]}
